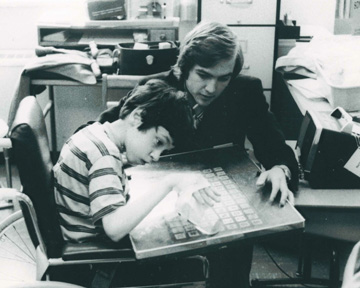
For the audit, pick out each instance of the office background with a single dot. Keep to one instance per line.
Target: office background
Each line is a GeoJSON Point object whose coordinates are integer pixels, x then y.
{"type": "Point", "coordinates": [18, 20]}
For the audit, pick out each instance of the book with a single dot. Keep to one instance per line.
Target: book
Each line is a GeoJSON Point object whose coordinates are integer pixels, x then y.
{"type": "Point", "coordinates": [60, 36]}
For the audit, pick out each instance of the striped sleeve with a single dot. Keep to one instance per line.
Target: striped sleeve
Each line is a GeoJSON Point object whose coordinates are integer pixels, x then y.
{"type": "Point", "coordinates": [107, 183]}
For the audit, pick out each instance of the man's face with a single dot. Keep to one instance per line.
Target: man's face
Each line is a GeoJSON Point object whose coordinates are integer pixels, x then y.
{"type": "Point", "coordinates": [146, 146]}
{"type": "Point", "coordinates": [207, 84]}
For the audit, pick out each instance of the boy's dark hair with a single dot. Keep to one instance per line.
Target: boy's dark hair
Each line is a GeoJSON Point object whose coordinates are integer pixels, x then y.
{"type": "Point", "coordinates": [206, 45]}
{"type": "Point", "coordinates": [162, 105]}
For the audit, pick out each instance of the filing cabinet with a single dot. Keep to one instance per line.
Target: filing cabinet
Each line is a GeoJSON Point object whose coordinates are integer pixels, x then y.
{"type": "Point", "coordinates": [242, 12]}
{"type": "Point", "coordinates": [254, 22]}
{"type": "Point", "coordinates": [258, 57]}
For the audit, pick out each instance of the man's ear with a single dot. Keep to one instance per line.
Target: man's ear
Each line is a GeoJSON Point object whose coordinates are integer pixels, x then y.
{"type": "Point", "coordinates": [135, 117]}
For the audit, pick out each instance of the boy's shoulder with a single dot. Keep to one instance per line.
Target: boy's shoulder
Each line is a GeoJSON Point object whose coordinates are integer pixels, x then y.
{"type": "Point", "coordinates": [93, 140]}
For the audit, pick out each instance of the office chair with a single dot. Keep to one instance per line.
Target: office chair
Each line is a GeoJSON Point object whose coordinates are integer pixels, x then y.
{"type": "Point", "coordinates": [123, 83]}
{"type": "Point", "coordinates": [31, 153]}
{"type": "Point", "coordinates": [5, 144]}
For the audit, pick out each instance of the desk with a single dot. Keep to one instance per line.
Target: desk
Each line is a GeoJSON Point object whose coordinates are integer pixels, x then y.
{"type": "Point", "coordinates": [331, 214]}
{"type": "Point", "coordinates": [50, 84]}
{"type": "Point", "coordinates": [83, 105]}
{"type": "Point", "coordinates": [244, 211]}
{"type": "Point", "coordinates": [289, 104]}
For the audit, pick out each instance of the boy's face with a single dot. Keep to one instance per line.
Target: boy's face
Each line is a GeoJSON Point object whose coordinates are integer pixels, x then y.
{"type": "Point", "coordinates": [146, 146]}
{"type": "Point", "coordinates": [207, 84]}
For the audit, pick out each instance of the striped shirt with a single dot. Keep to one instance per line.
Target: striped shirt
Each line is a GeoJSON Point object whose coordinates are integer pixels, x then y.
{"type": "Point", "coordinates": [90, 182]}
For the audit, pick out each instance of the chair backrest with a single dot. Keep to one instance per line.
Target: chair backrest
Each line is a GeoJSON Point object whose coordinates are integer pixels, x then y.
{"type": "Point", "coordinates": [123, 82]}
{"type": "Point", "coordinates": [31, 154]}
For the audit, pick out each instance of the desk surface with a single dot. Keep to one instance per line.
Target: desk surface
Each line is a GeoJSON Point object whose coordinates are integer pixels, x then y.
{"type": "Point", "coordinates": [333, 223]}
{"type": "Point", "coordinates": [126, 80]}
{"type": "Point", "coordinates": [154, 235]}
{"type": "Point", "coordinates": [331, 198]}
{"type": "Point", "coordinates": [304, 103]}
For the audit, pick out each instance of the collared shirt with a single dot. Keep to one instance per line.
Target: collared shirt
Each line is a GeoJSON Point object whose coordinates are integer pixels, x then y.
{"type": "Point", "coordinates": [90, 182]}
{"type": "Point", "coordinates": [198, 111]}
{"type": "Point", "coordinates": [198, 114]}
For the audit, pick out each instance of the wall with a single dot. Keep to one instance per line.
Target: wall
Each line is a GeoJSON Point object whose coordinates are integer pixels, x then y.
{"type": "Point", "coordinates": [18, 34]}
{"type": "Point", "coordinates": [311, 12]}
{"type": "Point", "coordinates": [18, 20]}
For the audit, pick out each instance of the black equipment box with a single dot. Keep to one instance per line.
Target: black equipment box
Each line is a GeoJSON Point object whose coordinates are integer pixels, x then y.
{"type": "Point", "coordinates": [146, 61]}
{"type": "Point", "coordinates": [326, 143]}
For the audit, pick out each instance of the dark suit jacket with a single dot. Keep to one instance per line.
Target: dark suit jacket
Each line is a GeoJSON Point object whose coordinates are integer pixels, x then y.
{"type": "Point", "coordinates": [239, 112]}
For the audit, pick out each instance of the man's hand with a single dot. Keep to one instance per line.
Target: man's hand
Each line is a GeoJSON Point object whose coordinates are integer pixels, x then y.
{"type": "Point", "coordinates": [277, 178]}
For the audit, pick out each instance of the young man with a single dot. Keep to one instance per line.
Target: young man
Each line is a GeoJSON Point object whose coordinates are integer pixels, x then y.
{"type": "Point", "coordinates": [91, 188]}
{"type": "Point", "coordinates": [227, 108]}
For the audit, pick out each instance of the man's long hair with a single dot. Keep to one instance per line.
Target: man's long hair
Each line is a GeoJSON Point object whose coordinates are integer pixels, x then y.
{"type": "Point", "coordinates": [206, 45]}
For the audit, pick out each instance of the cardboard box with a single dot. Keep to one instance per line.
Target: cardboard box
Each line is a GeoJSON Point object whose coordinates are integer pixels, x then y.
{"type": "Point", "coordinates": [106, 9]}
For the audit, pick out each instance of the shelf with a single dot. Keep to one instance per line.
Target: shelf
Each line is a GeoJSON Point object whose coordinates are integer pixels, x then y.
{"type": "Point", "coordinates": [108, 33]}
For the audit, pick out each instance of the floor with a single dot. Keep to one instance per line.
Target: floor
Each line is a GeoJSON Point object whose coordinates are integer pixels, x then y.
{"type": "Point", "coordinates": [272, 259]}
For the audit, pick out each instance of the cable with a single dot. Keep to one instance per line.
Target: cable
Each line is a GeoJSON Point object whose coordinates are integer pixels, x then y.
{"type": "Point", "coordinates": [283, 271]}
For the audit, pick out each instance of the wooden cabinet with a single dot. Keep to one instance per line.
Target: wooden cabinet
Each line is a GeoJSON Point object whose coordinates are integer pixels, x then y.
{"type": "Point", "coordinates": [254, 22]}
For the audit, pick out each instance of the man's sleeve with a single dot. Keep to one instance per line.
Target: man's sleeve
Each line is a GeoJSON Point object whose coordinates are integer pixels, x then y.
{"type": "Point", "coordinates": [266, 136]}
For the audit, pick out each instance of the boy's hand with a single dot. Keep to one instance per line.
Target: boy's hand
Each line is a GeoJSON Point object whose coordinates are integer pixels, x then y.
{"type": "Point", "coordinates": [194, 202]}
{"type": "Point", "coordinates": [207, 196]}
{"type": "Point", "coordinates": [194, 184]}
{"type": "Point", "coordinates": [182, 182]}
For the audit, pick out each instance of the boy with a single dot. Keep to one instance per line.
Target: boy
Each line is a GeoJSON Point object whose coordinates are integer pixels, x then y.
{"type": "Point", "coordinates": [91, 189]}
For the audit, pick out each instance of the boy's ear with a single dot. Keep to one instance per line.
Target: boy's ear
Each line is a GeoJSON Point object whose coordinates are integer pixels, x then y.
{"type": "Point", "coordinates": [135, 117]}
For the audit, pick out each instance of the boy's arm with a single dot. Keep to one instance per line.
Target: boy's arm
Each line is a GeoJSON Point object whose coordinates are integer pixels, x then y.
{"type": "Point", "coordinates": [120, 222]}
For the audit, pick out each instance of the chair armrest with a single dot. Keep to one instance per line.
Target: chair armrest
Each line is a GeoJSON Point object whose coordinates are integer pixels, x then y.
{"type": "Point", "coordinates": [39, 284]}
{"type": "Point", "coordinates": [8, 198]}
{"type": "Point", "coordinates": [96, 250]}
{"type": "Point", "coordinates": [4, 128]}
{"type": "Point", "coordinates": [8, 193]}
{"type": "Point", "coordinates": [5, 143]}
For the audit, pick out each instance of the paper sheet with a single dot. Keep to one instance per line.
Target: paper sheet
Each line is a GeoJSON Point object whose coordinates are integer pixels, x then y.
{"type": "Point", "coordinates": [104, 38]}
{"type": "Point", "coordinates": [309, 88]}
